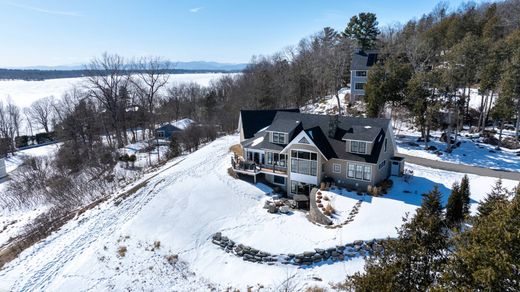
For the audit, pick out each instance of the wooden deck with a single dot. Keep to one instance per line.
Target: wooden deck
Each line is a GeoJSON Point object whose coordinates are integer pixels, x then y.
{"type": "Point", "coordinates": [264, 170]}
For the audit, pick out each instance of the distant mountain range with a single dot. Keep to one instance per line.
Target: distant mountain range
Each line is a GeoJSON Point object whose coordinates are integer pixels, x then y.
{"type": "Point", "coordinates": [192, 65]}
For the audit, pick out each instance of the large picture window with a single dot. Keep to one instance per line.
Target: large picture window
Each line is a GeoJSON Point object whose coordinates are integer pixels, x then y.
{"type": "Point", "coordinates": [361, 73]}
{"type": "Point", "coordinates": [276, 158]}
{"type": "Point", "coordinates": [304, 162]}
{"type": "Point", "coordinates": [359, 171]}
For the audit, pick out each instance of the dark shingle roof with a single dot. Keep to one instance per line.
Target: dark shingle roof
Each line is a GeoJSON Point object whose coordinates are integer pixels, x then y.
{"type": "Point", "coordinates": [317, 128]}
{"type": "Point", "coordinates": [168, 128]}
{"type": "Point", "coordinates": [362, 133]}
{"type": "Point", "coordinates": [255, 120]}
{"type": "Point", "coordinates": [363, 60]}
{"type": "Point", "coordinates": [285, 126]}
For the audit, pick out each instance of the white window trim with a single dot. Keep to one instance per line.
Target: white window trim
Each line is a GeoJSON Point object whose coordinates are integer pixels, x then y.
{"type": "Point", "coordinates": [283, 135]}
{"type": "Point", "coordinates": [358, 152]}
{"type": "Point", "coordinates": [363, 174]}
{"type": "Point", "coordinates": [334, 165]}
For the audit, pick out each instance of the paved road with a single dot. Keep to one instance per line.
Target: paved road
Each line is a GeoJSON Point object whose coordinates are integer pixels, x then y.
{"type": "Point", "coordinates": [504, 174]}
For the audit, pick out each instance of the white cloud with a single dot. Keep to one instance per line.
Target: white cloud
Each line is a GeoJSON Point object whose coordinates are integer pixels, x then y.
{"type": "Point", "coordinates": [43, 10]}
{"type": "Point", "coordinates": [196, 9]}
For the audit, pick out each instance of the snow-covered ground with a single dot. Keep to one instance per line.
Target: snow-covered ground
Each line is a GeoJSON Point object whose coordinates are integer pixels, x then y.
{"type": "Point", "coordinates": [13, 161]}
{"type": "Point", "coordinates": [470, 152]}
{"type": "Point", "coordinates": [24, 92]}
{"type": "Point", "coordinates": [182, 206]}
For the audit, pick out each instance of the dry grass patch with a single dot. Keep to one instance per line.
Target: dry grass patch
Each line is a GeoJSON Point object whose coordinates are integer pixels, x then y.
{"type": "Point", "coordinates": [237, 149]}
{"type": "Point", "coordinates": [121, 251]}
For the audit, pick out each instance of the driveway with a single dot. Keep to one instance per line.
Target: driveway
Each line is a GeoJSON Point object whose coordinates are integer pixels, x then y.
{"type": "Point", "coordinates": [503, 174]}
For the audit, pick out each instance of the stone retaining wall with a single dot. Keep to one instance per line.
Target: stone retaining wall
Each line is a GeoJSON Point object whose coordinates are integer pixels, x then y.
{"type": "Point", "coordinates": [314, 212]}
{"type": "Point", "coordinates": [316, 256]}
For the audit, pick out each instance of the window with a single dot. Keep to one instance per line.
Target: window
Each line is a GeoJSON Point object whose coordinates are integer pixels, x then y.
{"type": "Point", "coordinates": [367, 173]}
{"type": "Point", "coordinates": [385, 143]}
{"type": "Point", "coordinates": [359, 86]}
{"type": "Point", "coordinates": [303, 140]}
{"type": "Point", "coordinates": [280, 180]}
{"type": "Point", "coordinates": [278, 138]}
{"type": "Point", "coordinates": [160, 134]}
{"type": "Point", "coordinates": [351, 170]}
{"type": "Point", "coordinates": [361, 73]}
{"type": "Point", "coordinates": [358, 171]}
{"type": "Point", "coordinates": [336, 168]}
{"type": "Point", "coordinates": [382, 164]}
{"type": "Point", "coordinates": [276, 158]}
{"type": "Point", "coordinates": [362, 147]}
{"type": "Point", "coordinates": [358, 147]}
{"type": "Point", "coordinates": [304, 162]}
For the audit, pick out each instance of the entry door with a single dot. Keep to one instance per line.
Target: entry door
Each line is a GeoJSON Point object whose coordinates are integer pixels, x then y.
{"type": "Point", "coordinates": [395, 168]}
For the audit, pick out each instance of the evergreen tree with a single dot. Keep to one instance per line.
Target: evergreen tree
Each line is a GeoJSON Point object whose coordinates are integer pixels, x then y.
{"type": "Point", "coordinates": [454, 208]}
{"type": "Point", "coordinates": [386, 84]}
{"type": "Point", "coordinates": [496, 199]}
{"type": "Point", "coordinates": [487, 256]}
{"type": "Point", "coordinates": [412, 261]}
{"type": "Point", "coordinates": [465, 195]}
{"type": "Point", "coordinates": [363, 28]}
{"type": "Point", "coordinates": [175, 148]}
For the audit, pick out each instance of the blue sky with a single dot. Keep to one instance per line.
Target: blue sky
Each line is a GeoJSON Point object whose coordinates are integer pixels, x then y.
{"type": "Point", "coordinates": [61, 32]}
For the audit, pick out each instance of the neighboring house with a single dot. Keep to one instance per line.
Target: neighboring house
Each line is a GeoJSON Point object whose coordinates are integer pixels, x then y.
{"type": "Point", "coordinates": [252, 121]}
{"type": "Point", "coordinates": [361, 63]}
{"type": "Point", "coordinates": [298, 151]}
{"type": "Point", "coordinates": [3, 171]}
{"type": "Point", "coordinates": [166, 131]}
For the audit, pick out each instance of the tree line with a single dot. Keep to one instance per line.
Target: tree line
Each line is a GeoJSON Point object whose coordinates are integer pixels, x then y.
{"type": "Point", "coordinates": [427, 66]}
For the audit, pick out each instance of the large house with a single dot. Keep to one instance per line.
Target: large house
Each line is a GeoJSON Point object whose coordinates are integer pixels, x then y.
{"type": "Point", "coordinates": [361, 63]}
{"type": "Point", "coordinates": [298, 151]}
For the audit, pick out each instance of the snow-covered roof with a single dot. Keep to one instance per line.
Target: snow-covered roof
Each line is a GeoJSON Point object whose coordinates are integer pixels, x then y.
{"type": "Point", "coordinates": [183, 124]}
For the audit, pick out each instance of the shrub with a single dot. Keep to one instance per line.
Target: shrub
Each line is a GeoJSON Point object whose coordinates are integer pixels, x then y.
{"type": "Point", "coordinates": [122, 250]}
{"type": "Point", "coordinates": [157, 244]}
{"type": "Point", "coordinates": [330, 209]}
{"type": "Point", "coordinates": [172, 259]}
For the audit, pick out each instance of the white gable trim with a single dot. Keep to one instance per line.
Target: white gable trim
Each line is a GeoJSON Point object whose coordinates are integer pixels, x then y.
{"type": "Point", "coordinates": [296, 140]}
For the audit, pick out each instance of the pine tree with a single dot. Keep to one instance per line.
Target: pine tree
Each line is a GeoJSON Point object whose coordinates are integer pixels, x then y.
{"type": "Point", "coordinates": [465, 195]}
{"type": "Point", "coordinates": [454, 208]}
{"type": "Point", "coordinates": [496, 199]}
{"type": "Point", "coordinates": [363, 28]}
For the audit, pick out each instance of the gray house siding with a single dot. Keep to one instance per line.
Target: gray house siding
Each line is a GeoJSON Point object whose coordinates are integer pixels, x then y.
{"type": "Point", "coordinates": [357, 94]}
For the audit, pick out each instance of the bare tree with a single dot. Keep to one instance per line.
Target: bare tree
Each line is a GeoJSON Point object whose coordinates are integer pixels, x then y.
{"type": "Point", "coordinates": [107, 81]}
{"type": "Point", "coordinates": [40, 112]}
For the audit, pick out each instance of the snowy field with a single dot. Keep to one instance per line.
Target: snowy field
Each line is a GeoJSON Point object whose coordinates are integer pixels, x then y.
{"type": "Point", "coordinates": [177, 210]}
{"type": "Point", "coordinates": [26, 92]}
{"type": "Point", "coordinates": [470, 152]}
